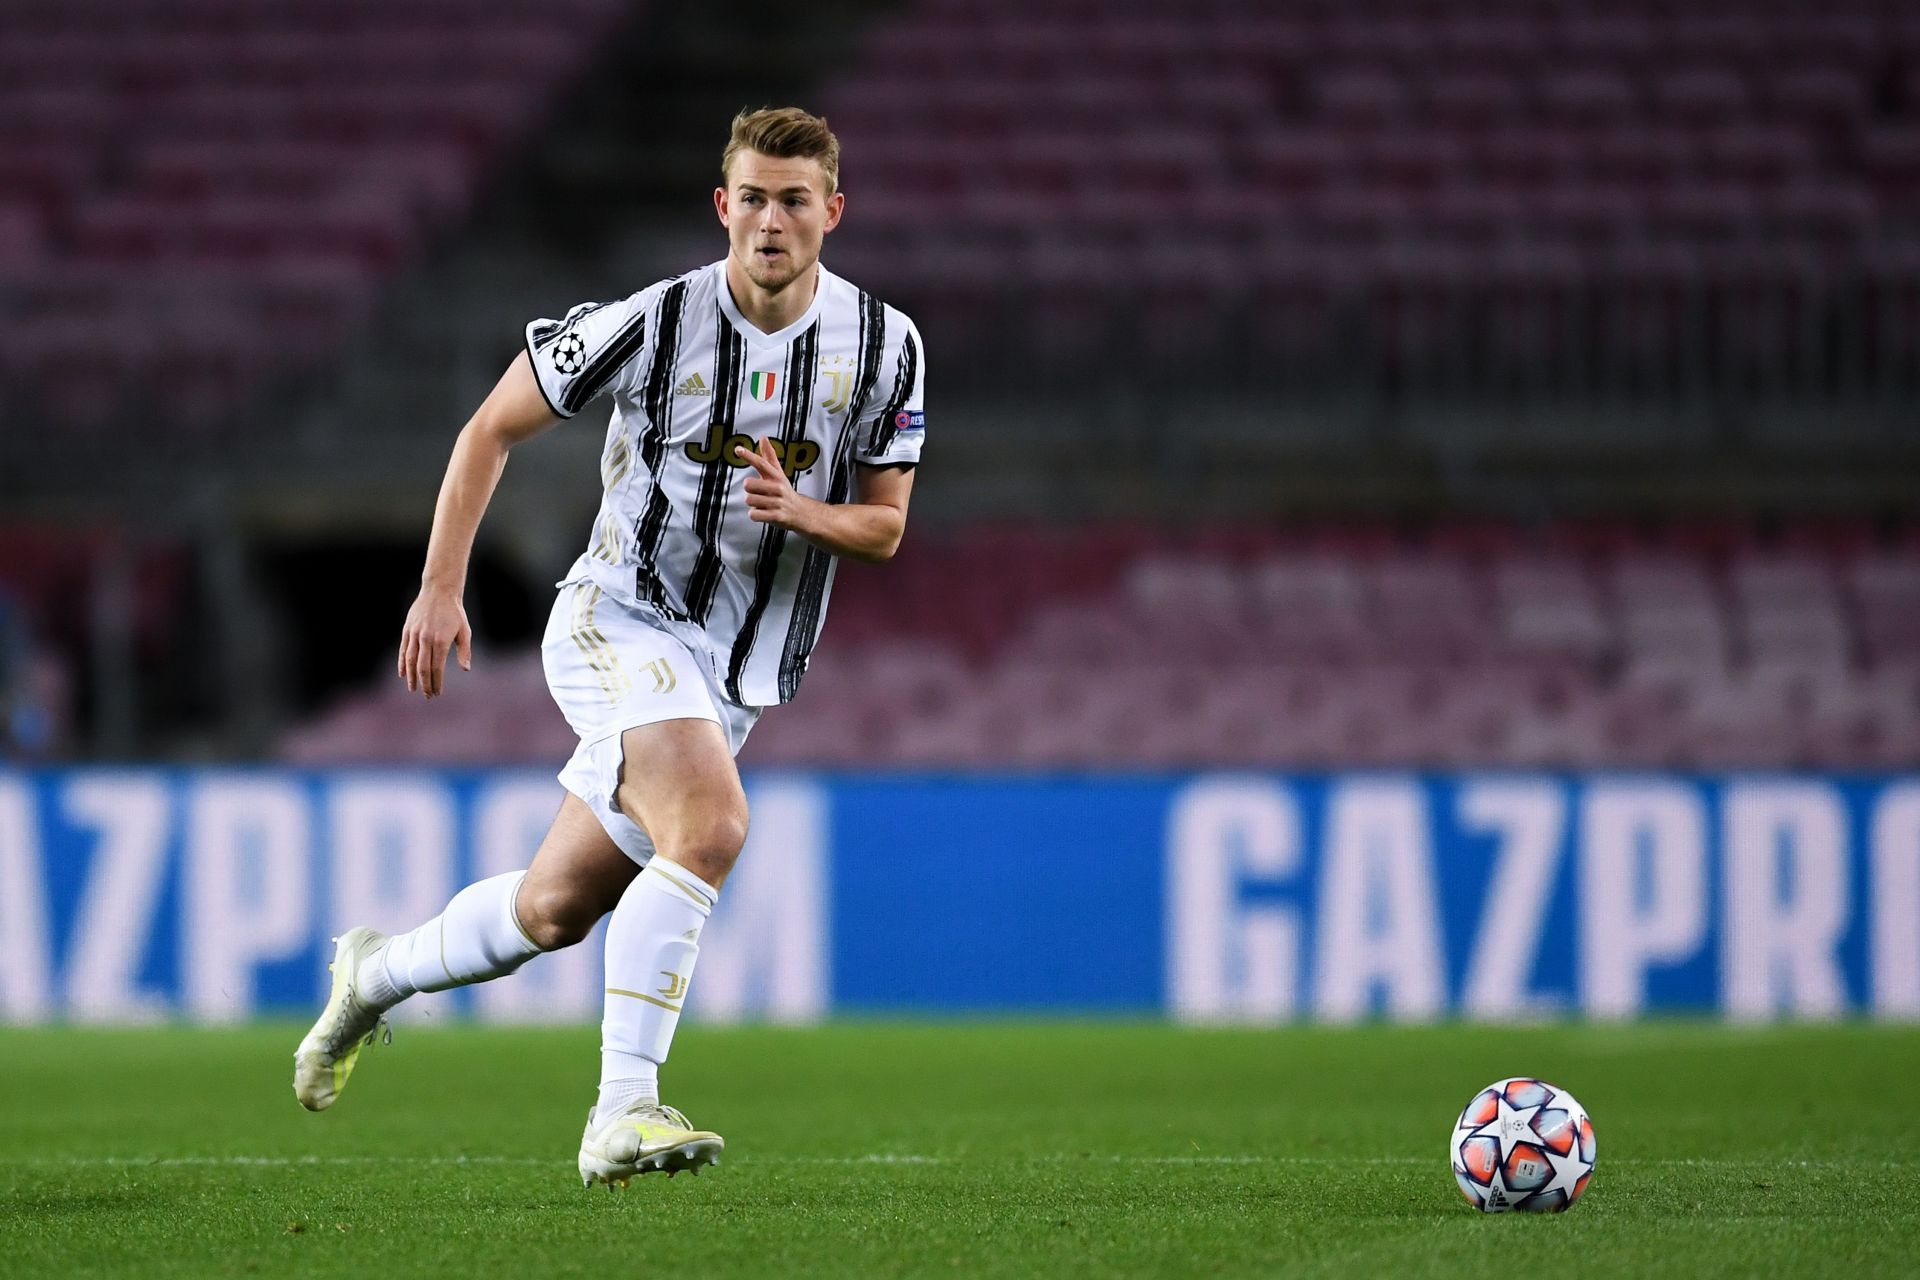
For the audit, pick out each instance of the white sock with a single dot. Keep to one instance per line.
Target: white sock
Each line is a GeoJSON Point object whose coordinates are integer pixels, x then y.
{"type": "Point", "coordinates": [625, 1079]}
{"type": "Point", "coordinates": [653, 938]}
{"type": "Point", "coordinates": [477, 938]}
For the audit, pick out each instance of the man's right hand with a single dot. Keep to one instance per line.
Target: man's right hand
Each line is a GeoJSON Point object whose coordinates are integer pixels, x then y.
{"type": "Point", "coordinates": [436, 621]}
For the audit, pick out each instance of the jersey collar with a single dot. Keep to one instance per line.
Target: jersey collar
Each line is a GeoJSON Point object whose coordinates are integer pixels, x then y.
{"type": "Point", "coordinates": [752, 333]}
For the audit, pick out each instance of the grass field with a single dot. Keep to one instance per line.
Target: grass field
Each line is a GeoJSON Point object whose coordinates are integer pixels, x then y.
{"type": "Point", "coordinates": [992, 1149]}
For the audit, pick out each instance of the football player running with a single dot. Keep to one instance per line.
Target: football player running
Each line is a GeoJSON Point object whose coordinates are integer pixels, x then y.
{"type": "Point", "coordinates": [766, 421]}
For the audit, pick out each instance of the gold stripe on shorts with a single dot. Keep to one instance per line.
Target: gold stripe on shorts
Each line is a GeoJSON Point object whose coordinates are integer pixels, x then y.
{"type": "Point", "coordinates": [595, 646]}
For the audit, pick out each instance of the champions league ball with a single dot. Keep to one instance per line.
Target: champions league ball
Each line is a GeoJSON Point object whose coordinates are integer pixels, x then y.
{"type": "Point", "coordinates": [1522, 1144]}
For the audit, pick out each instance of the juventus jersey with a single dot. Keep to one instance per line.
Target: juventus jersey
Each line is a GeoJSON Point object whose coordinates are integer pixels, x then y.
{"type": "Point", "coordinates": [691, 379]}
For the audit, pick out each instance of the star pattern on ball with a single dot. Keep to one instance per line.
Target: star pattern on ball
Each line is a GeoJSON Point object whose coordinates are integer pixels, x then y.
{"type": "Point", "coordinates": [1510, 1124]}
{"type": "Point", "coordinates": [1567, 1172]}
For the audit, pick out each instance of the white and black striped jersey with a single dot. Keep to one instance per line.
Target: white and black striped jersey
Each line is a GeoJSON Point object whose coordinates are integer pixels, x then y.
{"type": "Point", "coordinates": [690, 379]}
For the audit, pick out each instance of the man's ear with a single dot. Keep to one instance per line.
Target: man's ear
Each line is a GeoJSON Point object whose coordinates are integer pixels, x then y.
{"type": "Point", "coordinates": [836, 205]}
{"type": "Point", "coordinates": [720, 204]}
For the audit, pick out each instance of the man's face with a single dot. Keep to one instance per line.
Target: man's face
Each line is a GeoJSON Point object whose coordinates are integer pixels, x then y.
{"type": "Point", "coordinates": [776, 213]}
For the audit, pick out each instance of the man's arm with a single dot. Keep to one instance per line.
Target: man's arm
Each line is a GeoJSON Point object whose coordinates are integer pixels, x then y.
{"type": "Point", "coordinates": [513, 411]}
{"type": "Point", "coordinates": [868, 529]}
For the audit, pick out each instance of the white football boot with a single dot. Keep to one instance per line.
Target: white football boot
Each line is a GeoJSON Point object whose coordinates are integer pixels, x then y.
{"type": "Point", "coordinates": [645, 1138]}
{"type": "Point", "coordinates": [325, 1058]}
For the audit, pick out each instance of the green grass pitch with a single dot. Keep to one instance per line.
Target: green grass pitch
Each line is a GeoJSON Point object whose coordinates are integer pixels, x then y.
{"type": "Point", "coordinates": [992, 1149]}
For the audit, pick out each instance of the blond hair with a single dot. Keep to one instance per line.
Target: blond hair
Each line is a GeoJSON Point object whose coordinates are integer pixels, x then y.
{"type": "Point", "coordinates": [785, 133]}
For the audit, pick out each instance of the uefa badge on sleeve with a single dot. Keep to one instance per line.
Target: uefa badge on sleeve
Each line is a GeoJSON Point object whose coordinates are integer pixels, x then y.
{"type": "Point", "coordinates": [570, 353]}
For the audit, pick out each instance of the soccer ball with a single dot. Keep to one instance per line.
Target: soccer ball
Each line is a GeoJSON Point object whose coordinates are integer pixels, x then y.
{"type": "Point", "coordinates": [1522, 1144]}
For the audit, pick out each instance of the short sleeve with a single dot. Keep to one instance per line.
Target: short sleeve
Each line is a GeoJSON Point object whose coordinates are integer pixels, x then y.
{"type": "Point", "coordinates": [588, 352]}
{"type": "Point", "coordinates": [894, 433]}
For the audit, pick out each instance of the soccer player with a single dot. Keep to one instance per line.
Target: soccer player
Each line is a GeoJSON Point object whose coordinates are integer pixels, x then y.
{"type": "Point", "coordinates": [767, 418]}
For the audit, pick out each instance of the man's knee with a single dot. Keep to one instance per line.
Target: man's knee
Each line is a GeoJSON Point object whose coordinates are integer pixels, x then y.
{"type": "Point", "coordinates": [556, 914]}
{"type": "Point", "coordinates": [708, 847]}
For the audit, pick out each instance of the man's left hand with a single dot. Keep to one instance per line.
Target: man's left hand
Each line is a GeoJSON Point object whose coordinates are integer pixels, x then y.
{"type": "Point", "coordinates": [770, 495]}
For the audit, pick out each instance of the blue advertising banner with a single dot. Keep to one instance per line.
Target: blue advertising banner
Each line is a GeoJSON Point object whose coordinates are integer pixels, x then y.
{"type": "Point", "coordinates": [140, 894]}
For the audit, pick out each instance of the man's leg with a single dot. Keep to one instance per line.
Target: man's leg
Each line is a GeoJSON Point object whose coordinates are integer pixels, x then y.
{"type": "Point", "coordinates": [679, 784]}
{"type": "Point", "coordinates": [494, 926]}
{"type": "Point", "coordinates": [488, 930]}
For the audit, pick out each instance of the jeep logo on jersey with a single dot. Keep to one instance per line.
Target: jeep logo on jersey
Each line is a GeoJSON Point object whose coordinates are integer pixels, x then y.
{"type": "Point", "coordinates": [795, 455]}
{"type": "Point", "coordinates": [760, 385]}
{"type": "Point", "coordinates": [570, 353]}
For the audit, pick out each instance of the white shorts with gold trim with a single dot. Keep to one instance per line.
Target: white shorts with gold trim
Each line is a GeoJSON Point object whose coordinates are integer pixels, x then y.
{"type": "Point", "coordinates": [611, 667]}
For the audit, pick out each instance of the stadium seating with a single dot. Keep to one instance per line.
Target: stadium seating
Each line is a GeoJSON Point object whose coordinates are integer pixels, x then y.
{"type": "Point", "coordinates": [1566, 178]}
{"type": "Point", "coordinates": [1506, 198]}
{"type": "Point", "coordinates": [1577, 645]}
{"type": "Point", "coordinates": [198, 196]}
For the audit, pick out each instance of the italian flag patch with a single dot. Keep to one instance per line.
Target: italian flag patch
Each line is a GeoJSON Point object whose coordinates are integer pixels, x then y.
{"type": "Point", "coordinates": [760, 386]}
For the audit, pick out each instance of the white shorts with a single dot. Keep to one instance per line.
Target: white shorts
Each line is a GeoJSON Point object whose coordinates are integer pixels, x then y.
{"type": "Point", "coordinates": [611, 666]}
